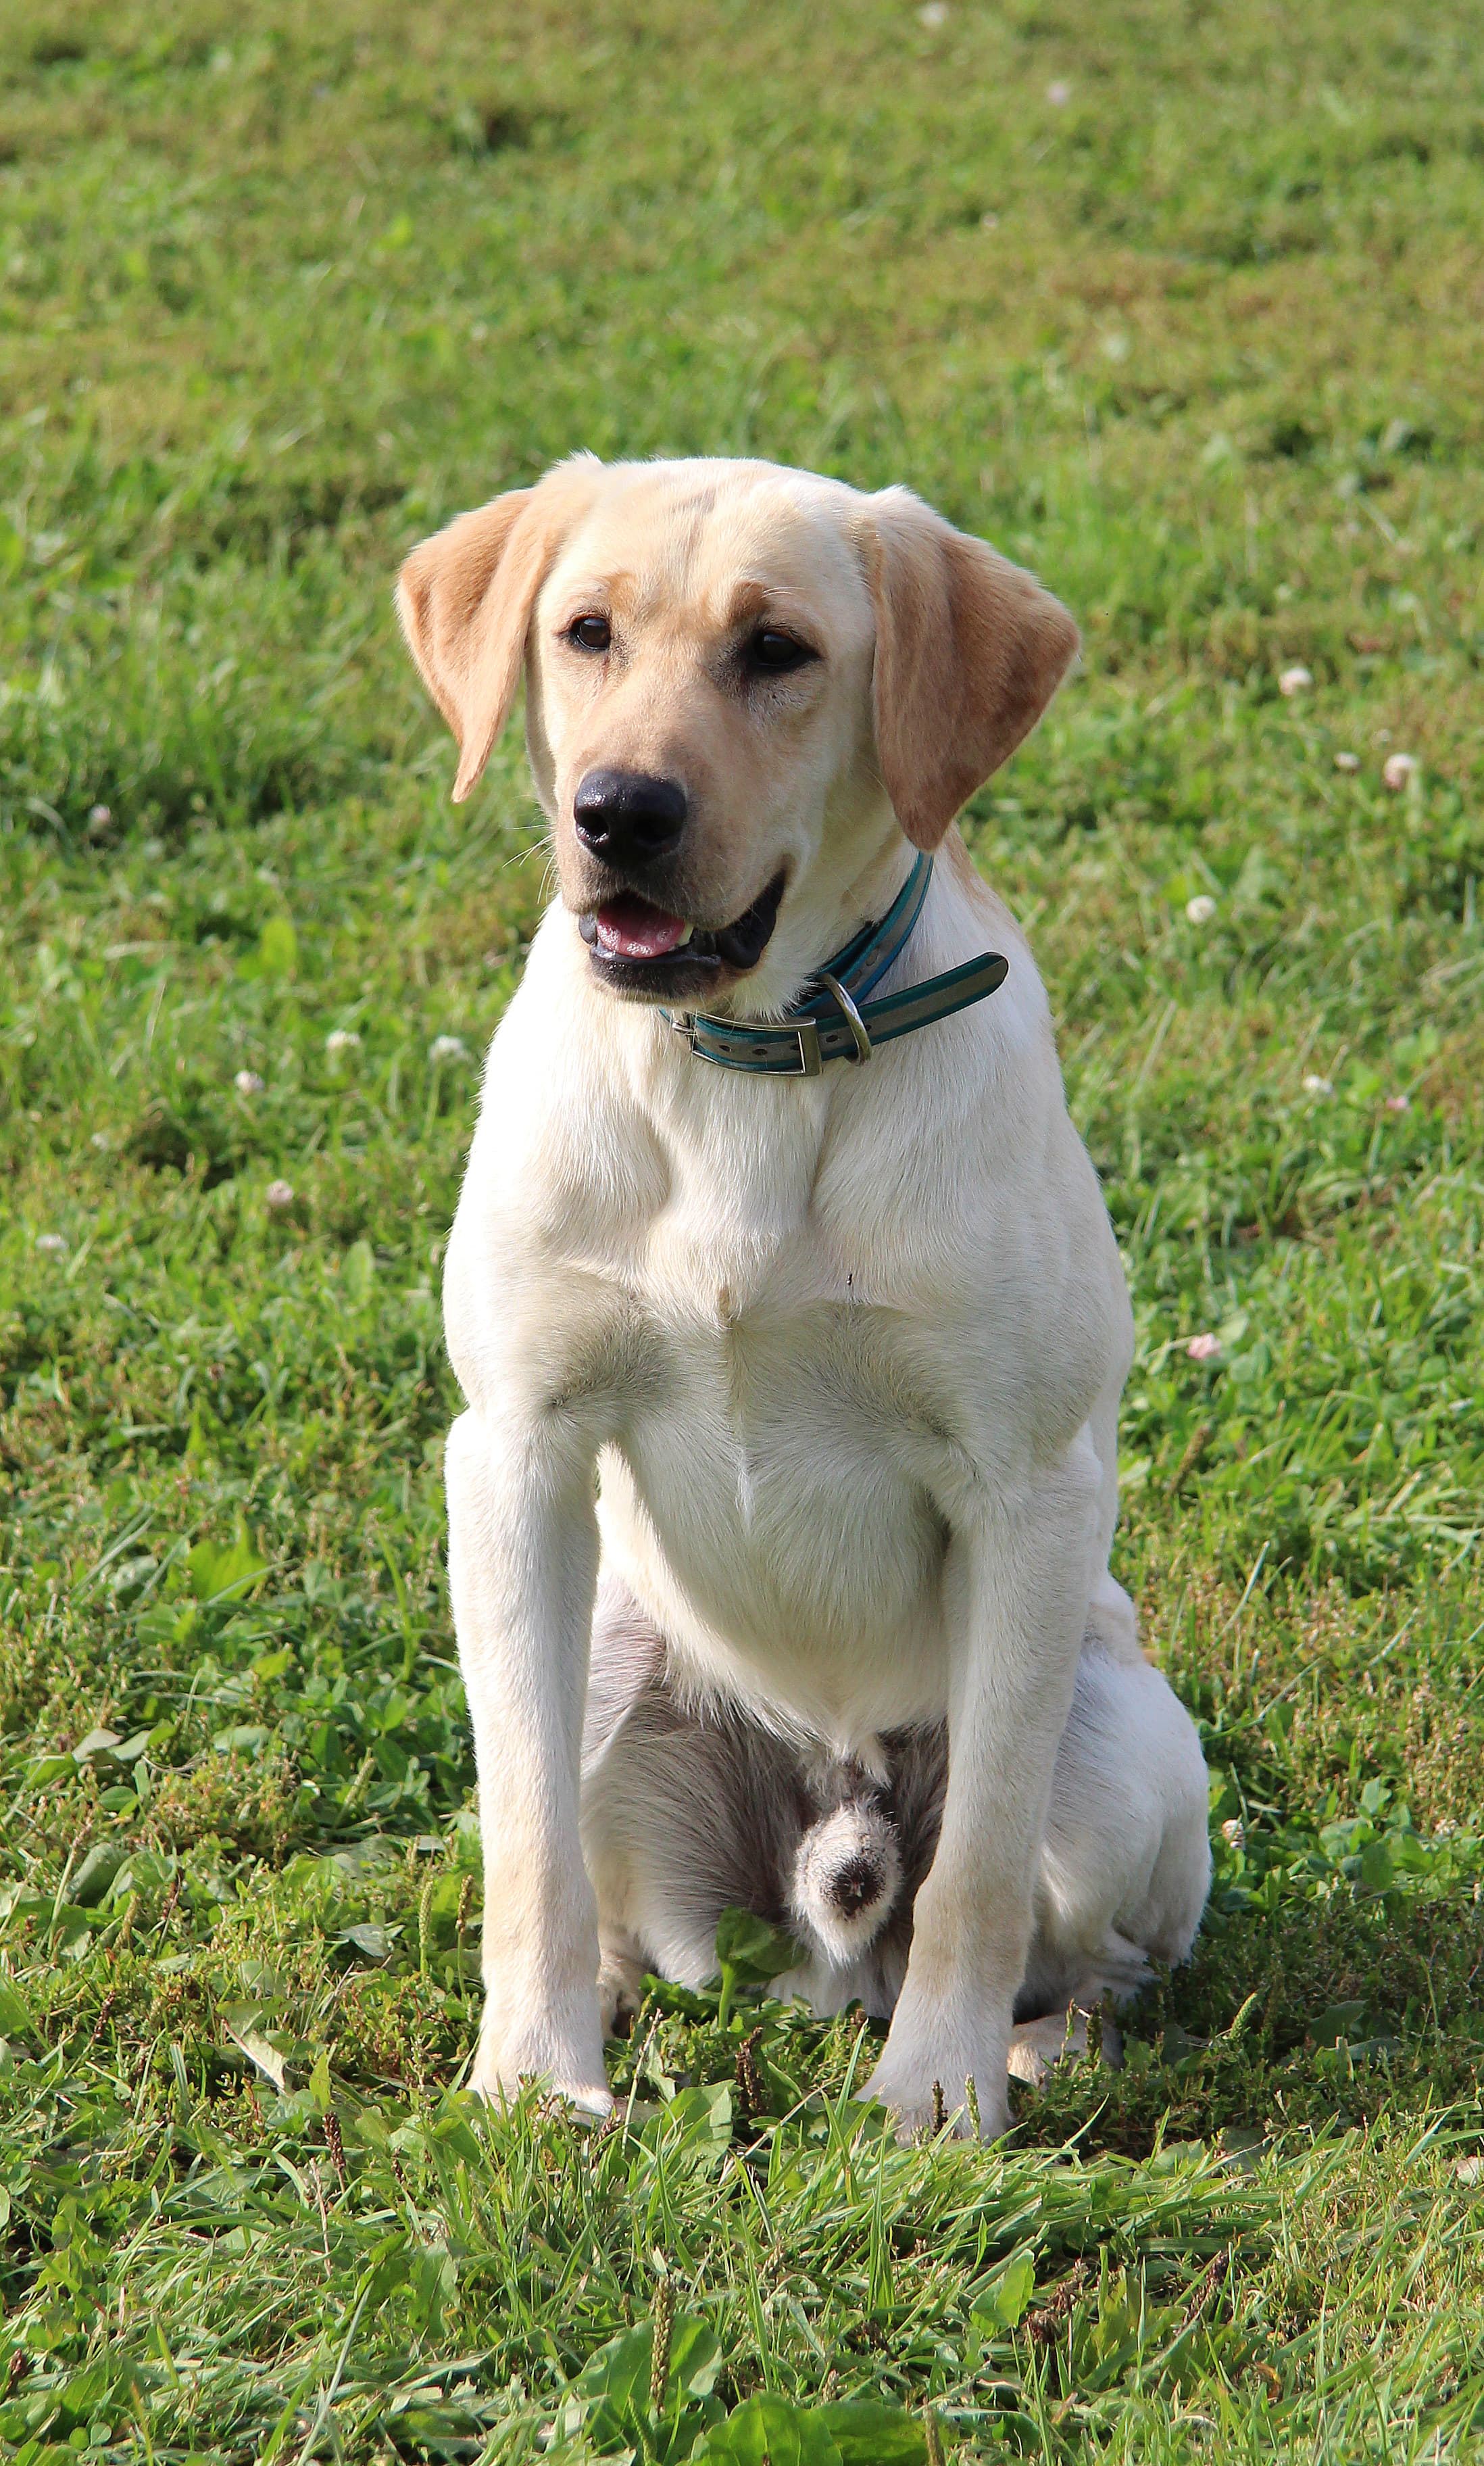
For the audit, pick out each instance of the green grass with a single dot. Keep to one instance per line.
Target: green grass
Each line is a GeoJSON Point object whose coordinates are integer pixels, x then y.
{"type": "Point", "coordinates": [282, 289]}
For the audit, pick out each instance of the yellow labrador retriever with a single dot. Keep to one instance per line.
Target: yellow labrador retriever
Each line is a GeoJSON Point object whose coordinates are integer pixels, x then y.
{"type": "Point", "coordinates": [782, 1295]}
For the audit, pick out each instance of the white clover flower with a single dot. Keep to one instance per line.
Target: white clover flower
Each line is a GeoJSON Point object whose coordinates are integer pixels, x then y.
{"type": "Point", "coordinates": [1348, 762]}
{"type": "Point", "coordinates": [53, 1244]}
{"type": "Point", "coordinates": [1399, 1104]}
{"type": "Point", "coordinates": [341, 1039]}
{"type": "Point", "coordinates": [1058, 93]}
{"type": "Point", "coordinates": [1203, 1348]}
{"type": "Point", "coordinates": [1315, 1084]}
{"type": "Point", "coordinates": [1399, 770]}
{"type": "Point", "coordinates": [447, 1049]}
{"type": "Point", "coordinates": [1200, 908]}
{"type": "Point", "coordinates": [934, 14]}
{"type": "Point", "coordinates": [246, 1083]}
{"type": "Point", "coordinates": [1294, 680]}
{"type": "Point", "coordinates": [279, 1195]}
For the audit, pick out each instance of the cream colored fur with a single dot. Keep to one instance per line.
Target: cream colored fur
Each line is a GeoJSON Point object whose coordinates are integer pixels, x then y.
{"type": "Point", "coordinates": [826, 1371]}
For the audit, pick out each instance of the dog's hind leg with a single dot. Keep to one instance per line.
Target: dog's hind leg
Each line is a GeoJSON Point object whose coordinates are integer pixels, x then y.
{"type": "Point", "coordinates": [1125, 1866]}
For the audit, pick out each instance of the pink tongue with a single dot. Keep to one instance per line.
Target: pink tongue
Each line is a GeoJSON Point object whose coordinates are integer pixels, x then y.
{"type": "Point", "coordinates": [630, 929]}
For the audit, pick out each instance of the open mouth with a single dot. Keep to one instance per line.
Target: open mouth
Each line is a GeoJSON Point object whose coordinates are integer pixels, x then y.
{"type": "Point", "coordinates": [641, 949]}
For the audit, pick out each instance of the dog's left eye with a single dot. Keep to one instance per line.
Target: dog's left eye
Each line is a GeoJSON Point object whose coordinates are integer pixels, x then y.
{"type": "Point", "coordinates": [772, 653]}
{"type": "Point", "coordinates": [590, 632]}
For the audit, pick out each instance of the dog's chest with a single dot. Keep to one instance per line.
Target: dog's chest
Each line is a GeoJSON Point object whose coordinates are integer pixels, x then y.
{"type": "Point", "coordinates": [779, 1451]}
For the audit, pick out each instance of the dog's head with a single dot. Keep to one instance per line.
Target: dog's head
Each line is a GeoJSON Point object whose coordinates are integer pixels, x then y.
{"type": "Point", "coordinates": [739, 680]}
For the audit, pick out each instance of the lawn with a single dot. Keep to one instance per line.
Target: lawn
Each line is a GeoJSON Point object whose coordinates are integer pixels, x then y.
{"type": "Point", "coordinates": [1179, 302]}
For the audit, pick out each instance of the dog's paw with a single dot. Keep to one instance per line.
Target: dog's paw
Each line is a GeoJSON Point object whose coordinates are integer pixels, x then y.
{"type": "Point", "coordinates": [924, 2106]}
{"type": "Point", "coordinates": [1054, 2038]}
{"type": "Point", "coordinates": [621, 1977]}
{"type": "Point", "coordinates": [567, 2064]}
{"type": "Point", "coordinates": [499, 2085]}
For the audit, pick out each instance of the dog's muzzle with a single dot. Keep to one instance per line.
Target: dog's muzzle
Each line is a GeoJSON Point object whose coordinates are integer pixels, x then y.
{"type": "Point", "coordinates": [639, 948]}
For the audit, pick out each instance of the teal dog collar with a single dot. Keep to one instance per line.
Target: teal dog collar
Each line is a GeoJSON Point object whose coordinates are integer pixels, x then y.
{"type": "Point", "coordinates": [834, 1019]}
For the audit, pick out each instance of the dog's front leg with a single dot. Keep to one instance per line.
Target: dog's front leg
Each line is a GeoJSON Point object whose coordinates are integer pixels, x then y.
{"type": "Point", "coordinates": [523, 1572]}
{"type": "Point", "coordinates": [1016, 1581]}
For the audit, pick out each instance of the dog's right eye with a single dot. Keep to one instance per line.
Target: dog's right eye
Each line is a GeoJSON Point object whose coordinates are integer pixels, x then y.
{"type": "Point", "coordinates": [771, 653]}
{"type": "Point", "coordinates": [590, 632]}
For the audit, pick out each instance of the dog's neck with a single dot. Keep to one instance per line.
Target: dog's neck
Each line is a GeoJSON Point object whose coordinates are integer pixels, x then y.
{"type": "Point", "coordinates": [823, 923]}
{"type": "Point", "coordinates": [871, 894]}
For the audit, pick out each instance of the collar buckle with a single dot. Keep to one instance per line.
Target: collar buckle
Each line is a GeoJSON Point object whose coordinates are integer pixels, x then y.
{"type": "Point", "coordinates": [851, 1015]}
{"type": "Point", "coordinates": [768, 1051]}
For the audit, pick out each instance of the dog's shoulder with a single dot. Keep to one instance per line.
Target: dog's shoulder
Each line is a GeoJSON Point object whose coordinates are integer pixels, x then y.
{"type": "Point", "coordinates": [558, 1129]}
{"type": "Point", "coordinates": [563, 1178]}
{"type": "Point", "coordinates": [958, 1185]}
{"type": "Point", "coordinates": [958, 1125]}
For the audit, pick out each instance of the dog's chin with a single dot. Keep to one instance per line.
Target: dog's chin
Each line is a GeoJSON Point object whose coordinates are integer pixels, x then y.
{"type": "Point", "coordinates": [646, 954]}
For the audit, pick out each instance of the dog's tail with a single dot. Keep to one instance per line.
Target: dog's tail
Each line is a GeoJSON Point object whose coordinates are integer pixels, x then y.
{"type": "Point", "coordinates": [847, 1873]}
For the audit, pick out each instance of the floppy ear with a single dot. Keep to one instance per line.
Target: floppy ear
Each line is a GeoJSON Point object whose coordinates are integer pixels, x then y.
{"type": "Point", "coordinates": [969, 650]}
{"type": "Point", "coordinates": [464, 598]}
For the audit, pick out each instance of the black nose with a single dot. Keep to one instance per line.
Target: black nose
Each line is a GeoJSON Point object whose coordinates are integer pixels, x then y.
{"type": "Point", "coordinates": [626, 819]}
{"type": "Point", "coordinates": [855, 1886]}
